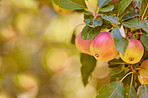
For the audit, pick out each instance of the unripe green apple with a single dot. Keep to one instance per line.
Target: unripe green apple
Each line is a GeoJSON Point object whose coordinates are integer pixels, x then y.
{"type": "Point", "coordinates": [83, 45]}
{"type": "Point", "coordinates": [133, 53]}
{"type": "Point", "coordinates": [103, 47]}
{"type": "Point", "coordinates": [59, 9]}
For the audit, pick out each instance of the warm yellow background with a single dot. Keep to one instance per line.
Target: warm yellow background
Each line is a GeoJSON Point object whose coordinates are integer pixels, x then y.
{"type": "Point", "coordinates": [36, 57]}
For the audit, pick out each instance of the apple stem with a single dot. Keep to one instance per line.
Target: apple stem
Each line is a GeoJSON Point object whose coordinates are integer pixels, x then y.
{"type": "Point", "coordinates": [133, 69]}
{"type": "Point", "coordinates": [131, 66]}
{"type": "Point", "coordinates": [97, 13]}
{"type": "Point", "coordinates": [140, 34]}
{"type": "Point", "coordinates": [132, 79]}
{"type": "Point", "coordinates": [126, 75]}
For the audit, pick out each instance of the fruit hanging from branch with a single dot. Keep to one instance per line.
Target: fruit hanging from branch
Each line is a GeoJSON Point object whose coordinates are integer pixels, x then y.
{"type": "Point", "coordinates": [103, 47]}
{"type": "Point", "coordinates": [83, 45]}
{"type": "Point", "coordinates": [133, 53]}
{"type": "Point", "coordinates": [143, 71]}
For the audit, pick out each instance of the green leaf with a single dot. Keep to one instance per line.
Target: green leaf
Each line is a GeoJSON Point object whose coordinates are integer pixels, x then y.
{"type": "Point", "coordinates": [113, 90]}
{"type": "Point", "coordinates": [123, 5]}
{"type": "Point", "coordinates": [132, 23]}
{"type": "Point", "coordinates": [136, 23]}
{"type": "Point", "coordinates": [145, 55]}
{"type": "Point", "coordinates": [107, 8]}
{"type": "Point", "coordinates": [144, 39]}
{"type": "Point", "coordinates": [130, 92]}
{"type": "Point", "coordinates": [87, 12]}
{"type": "Point", "coordinates": [71, 4]}
{"type": "Point", "coordinates": [120, 43]}
{"type": "Point", "coordinates": [144, 25]}
{"type": "Point", "coordinates": [118, 71]}
{"type": "Point", "coordinates": [129, 16]}
{"type": "Point", "coordinates": [143, 91]}
{"type": "Point", "coordinates": [73, 38]}
{"type": "Point", "coordinates": [144, 7]}
{"type": "Point", "coordinates": [89, 33]}
{"type": "Point", "coordinates": [102, 3]}
{"type": "Point", "coordinates": [111, 18]}
{"type": "Point", "coordinates": [115, 62]}
{"type": "Point", "coordinates": [88, 15]}
{"type": "Point", "coordinates": [94, 22]}
{"type": "Point", "coordinates": [88, 64]}
{"type": "Point", "coordinates": [127, 80]}
{"type": "Point", "coordinates": [106, 24]}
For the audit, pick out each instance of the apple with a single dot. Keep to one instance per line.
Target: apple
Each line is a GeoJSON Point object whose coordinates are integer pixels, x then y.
{"type": "Point", "coordinates": [60, 10]}
{"type": "Point", "coordinates": [144, 74]}
{"type": "Point", "coordinates": [133, 53]}
{"type": "Point", "coordinates": [103, 47]}
{"type": "Point", "coordinates": [83, 45]}
{"type": "Point", "coordinates": [143, 71]}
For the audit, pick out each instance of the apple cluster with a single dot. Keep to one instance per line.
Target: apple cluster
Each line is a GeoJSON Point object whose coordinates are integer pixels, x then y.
{"type": "Point", "coordinates": [103, 48]}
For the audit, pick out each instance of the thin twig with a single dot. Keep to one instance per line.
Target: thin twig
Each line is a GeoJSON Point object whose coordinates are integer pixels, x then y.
{"type": "Point", "coordinates": [97, 14]}
{"type": "Point", "coordinates": [137, 34]}
{"type": "Point", "coordinates": [144, 12]}
{"type": "Point", "coordinates": [126, 75]}
{"type": "Point", "coordinates": [145, 18]}
{"type": "Point", "coordinates": [132, 79]}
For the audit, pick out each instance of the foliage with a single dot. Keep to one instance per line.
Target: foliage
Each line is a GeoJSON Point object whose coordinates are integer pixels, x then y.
{"type": "Point", "coordinates": [87, 67]}
{"type": "Point", "coordinates": [113, 16]}
{"type": "Point", "coordinates": [134, 26]}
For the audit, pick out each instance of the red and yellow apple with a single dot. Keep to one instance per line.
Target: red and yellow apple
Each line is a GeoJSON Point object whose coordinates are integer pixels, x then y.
{"type": "Point", "coordinates": [83, 45]}
{"type": "Point", "coordinates": [133, 53]}
{"type": "Point", "coordinates": [103, 47]}
{"type": "Point", "coordinates": [143, 71]}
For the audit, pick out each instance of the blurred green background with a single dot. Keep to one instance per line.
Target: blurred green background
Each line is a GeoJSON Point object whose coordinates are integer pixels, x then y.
{"type": "Point", "coordinates": [37, 59]}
